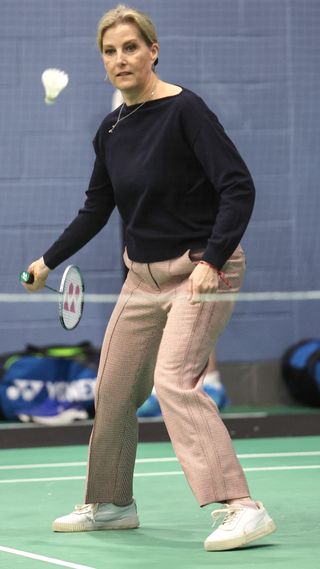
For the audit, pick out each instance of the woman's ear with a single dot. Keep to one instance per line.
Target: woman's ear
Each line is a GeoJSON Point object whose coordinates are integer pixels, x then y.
{"type": "Point", "coordinates": [155, 54]}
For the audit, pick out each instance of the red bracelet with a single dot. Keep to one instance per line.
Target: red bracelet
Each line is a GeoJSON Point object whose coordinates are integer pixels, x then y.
{"type": "Point", "coordinates": [220, 273]}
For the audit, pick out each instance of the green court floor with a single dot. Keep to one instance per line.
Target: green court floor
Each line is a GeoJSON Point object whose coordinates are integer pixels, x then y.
{"type": "Point", "coordinates": [40, 484]}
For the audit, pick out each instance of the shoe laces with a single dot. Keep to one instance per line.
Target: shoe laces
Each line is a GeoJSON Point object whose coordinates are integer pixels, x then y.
{"type": "Point", "coordinates": [230, 512]}
{"type": "Point", "coordinates": [83, 508]}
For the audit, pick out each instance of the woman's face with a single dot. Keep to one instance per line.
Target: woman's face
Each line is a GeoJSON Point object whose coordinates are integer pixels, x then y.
{"type": "Point", "coordinates": [127, 58]}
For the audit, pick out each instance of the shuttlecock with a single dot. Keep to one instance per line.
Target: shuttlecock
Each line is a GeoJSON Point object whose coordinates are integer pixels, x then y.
{"type": "Point", "coordinates": [54, 81]}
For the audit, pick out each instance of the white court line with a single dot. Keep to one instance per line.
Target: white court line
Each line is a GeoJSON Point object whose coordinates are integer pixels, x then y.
{"type": "Point", "coordinates": [266, 468]}
{"type": "Point", "coordinates": [66, 464]}
{"type": "Point", "coordinates": [46, 465]}
{"type": "Point", "coordinates": [43, 558]}
{"type": "Point", "coordinates": [280, 454]}
{"type": "Point", "coordinates": [52, 479]}
{"type": "Point", "coordinates": [156, 460]}
{"type": "Point", "coordinates": [164, 473]}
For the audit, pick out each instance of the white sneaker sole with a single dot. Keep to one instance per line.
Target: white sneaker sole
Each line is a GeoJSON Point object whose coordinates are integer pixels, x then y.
{"type": "Point", "coordinates": [125, 523]}
{"type": "Point", "coordinates": [239, 541]}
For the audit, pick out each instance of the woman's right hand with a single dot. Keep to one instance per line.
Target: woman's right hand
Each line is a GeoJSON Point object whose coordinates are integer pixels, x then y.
{"type": "Point", "coordinates": [40, 272]}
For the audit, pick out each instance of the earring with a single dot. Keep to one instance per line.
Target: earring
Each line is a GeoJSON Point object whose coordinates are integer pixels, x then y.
{"type": "Point", "coordinates": [106, 77]}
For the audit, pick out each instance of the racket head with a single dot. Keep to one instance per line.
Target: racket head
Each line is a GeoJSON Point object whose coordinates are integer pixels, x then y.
{"type": "Point", "coordinates": [71, 297]}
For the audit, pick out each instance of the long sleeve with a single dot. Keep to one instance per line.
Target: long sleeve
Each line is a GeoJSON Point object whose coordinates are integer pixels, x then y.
{"type": "Point", "coordinates": [91, 218]}
{"type": "Point", "coordinates": [232, 181]}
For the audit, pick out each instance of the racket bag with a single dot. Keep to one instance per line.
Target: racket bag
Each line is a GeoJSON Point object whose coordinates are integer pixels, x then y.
{"type": "Point", "coordinates": [49, 385]}
{"type": "Point", "coordinates": [301, 371]}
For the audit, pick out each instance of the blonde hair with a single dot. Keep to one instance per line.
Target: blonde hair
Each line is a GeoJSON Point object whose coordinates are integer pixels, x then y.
{"type": "Point", "coordinates": [125, 14]}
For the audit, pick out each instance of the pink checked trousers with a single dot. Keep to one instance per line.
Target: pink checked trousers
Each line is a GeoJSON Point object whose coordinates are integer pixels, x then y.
{"type": "Point", "coordinates": [155, 336]}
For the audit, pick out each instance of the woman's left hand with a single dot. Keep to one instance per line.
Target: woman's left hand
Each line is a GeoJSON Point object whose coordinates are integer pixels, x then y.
{"type": "Point", "coordinates": [203, 280]}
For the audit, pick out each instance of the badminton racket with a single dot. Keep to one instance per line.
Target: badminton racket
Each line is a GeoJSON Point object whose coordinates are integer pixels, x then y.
{"type": "Point", "coordinates": [70, 295]}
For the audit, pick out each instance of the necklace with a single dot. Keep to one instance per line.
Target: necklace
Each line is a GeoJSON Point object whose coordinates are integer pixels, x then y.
{"type": "Point", "coordinates": [120, 118]}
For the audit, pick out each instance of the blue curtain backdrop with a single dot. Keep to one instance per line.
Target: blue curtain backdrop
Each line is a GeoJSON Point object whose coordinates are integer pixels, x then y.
{"type": "Point", "coordinates": [255, 63]}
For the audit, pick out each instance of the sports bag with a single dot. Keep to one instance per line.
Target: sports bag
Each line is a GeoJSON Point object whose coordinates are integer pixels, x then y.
{"type": "Point", "coordinates": [301, 371]}
{"type": "Point", "coordinates": [49, 385]}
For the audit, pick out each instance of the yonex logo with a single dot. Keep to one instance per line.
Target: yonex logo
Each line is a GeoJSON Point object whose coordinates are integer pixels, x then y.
{"type": "Point", "coordinates": [72, 299]}
{"type": "Point", "coordinates": [28, 389]}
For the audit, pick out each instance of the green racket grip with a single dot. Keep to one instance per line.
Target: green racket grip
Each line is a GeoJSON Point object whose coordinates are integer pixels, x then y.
{"type": "Point", "coordinates": [26, 277]}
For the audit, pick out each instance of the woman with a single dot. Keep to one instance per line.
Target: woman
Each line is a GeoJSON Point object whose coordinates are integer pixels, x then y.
{"type": "Point", "coordinates": [185, 197]}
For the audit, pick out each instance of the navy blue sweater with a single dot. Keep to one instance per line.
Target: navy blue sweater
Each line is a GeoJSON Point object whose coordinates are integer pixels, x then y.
{"type": "Point", "coordinates": [176, 178]}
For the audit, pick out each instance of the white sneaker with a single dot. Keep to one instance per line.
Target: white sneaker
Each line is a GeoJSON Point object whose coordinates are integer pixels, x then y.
{"type": "Point", "coordinates": [92, 517]}
{"type": "Point", "coordinates": [240, 525]}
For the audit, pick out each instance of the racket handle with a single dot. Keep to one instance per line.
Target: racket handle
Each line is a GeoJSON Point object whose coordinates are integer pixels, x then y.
{"type": "Point", "coordinates": [26, 277]}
